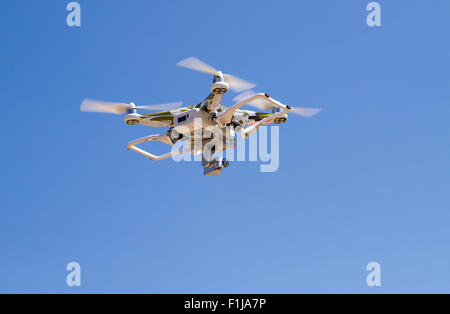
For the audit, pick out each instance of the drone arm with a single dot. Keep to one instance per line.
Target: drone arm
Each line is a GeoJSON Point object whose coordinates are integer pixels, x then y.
{"type": "Point", "coordinates": [158, 137]}
{"type": "Point", "coordinates": [246, 132]}
{"type": "Point", "coordinates": [226, 116]}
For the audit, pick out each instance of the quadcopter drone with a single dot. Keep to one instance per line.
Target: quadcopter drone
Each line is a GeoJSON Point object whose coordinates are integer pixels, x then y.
{"type": "Point", "coordinates": [181, 121]}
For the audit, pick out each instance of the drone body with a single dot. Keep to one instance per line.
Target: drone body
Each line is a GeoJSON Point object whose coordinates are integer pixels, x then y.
{"type": "Point", "coordinates": [209, 127]}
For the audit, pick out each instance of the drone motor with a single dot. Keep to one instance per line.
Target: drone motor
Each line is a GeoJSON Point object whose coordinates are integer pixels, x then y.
{"type": "Point", "coordinates": [220, 86]}
{"type": "Point", "coordinates": [132, 117]}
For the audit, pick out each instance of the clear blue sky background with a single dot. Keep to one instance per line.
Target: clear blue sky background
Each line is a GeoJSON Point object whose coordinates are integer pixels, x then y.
{"type": "Point", "coordinates": [366, 180]}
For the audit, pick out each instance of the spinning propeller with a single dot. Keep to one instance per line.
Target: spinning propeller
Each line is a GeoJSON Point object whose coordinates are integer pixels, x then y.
{"type": "Point", "coordinates": [120, 108]}
{"type": "Point", "coordinates": [265, 105]}
{"type": "Point", "coordinates": [235, 83]}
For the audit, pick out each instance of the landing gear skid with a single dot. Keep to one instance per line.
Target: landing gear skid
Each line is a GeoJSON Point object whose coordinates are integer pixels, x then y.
{"type": "Point", "coordinates": [215, 166]}
{"type": "Point", "coordinates": [210, 167]}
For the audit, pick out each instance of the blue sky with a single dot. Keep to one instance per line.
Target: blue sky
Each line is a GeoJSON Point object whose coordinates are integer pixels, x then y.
{"type": "Point", "coordinates": [366, 180]}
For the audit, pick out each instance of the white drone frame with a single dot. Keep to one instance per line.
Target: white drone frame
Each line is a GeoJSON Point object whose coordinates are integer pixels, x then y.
{"type": "Point", "coordinates": [224, 118]}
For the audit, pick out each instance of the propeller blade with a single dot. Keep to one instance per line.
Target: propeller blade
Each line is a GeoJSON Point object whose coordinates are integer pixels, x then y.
{"type": "Point", "coordinates": [306, 112]}
{"type": "Point", "coordinates": [162, 107]}
{"type": "Point", "coordinates": [265, 105]}
{"type": "Point", "coordinates": [90, 105]}
{"type": "Point", "coordinates": [237, 84]}
{"type": "Point", "coordinates": [197, 65]}
{"type": "Point", "coordinates": [258, 103]}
